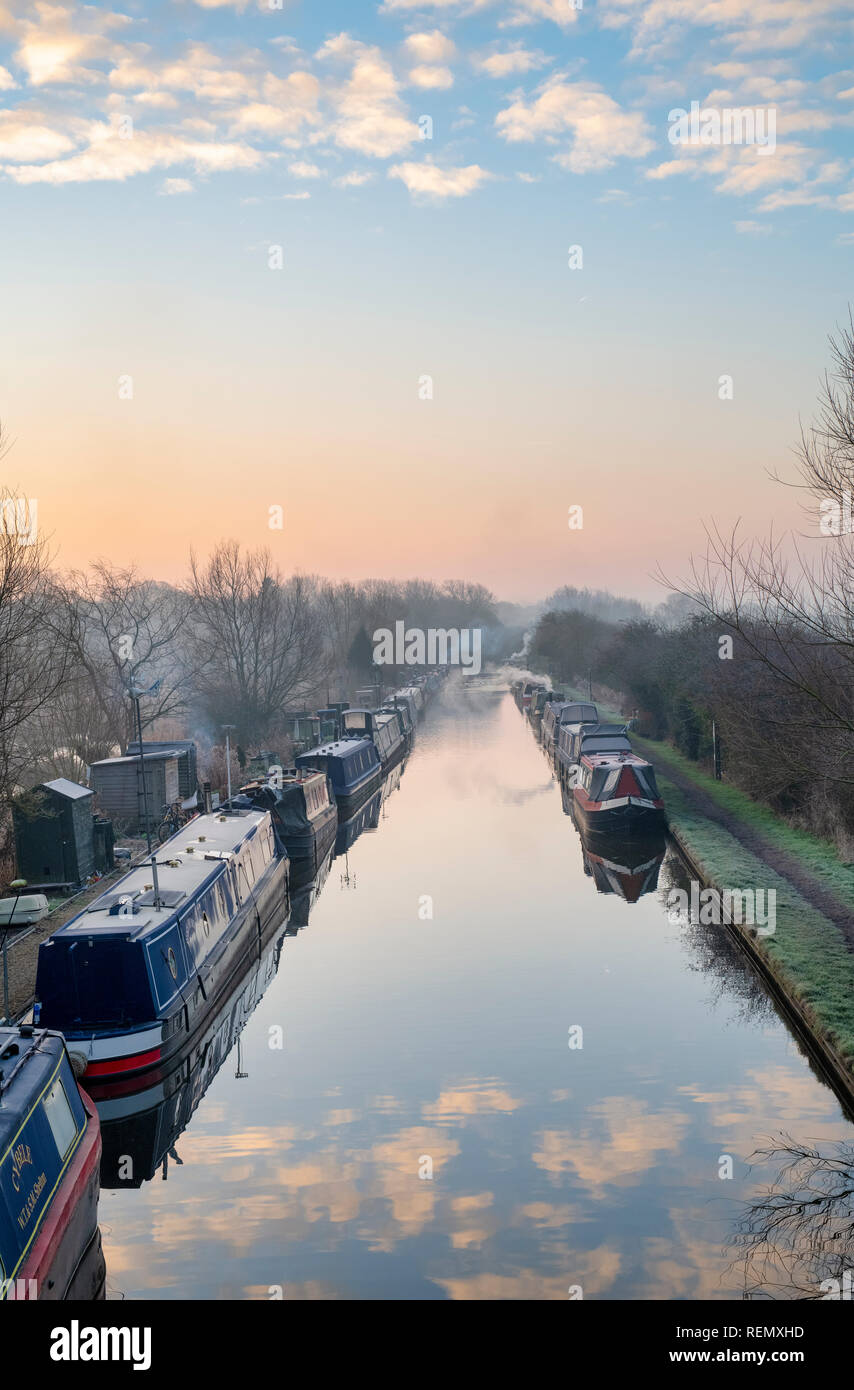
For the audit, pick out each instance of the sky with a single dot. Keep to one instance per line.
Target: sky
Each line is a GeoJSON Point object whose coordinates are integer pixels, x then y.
{"type": "Point", "coordinates": [390, 287]}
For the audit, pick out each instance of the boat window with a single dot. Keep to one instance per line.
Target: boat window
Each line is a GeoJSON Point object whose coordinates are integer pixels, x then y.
{"type": "Point", "coordinates": [603, 744]}
{"type": "Point", "coordinates": [60, 1117]}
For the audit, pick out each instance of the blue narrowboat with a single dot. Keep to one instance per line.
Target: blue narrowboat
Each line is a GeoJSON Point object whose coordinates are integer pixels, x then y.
{"type": "Point", "coordinates": [136, 973]}
{"type": "Point", "coordinates": [353, 767]}
{"type": "Point", "coordinates": [50, 1152]}
{"type": "Point", "coordinates": [304, 814]}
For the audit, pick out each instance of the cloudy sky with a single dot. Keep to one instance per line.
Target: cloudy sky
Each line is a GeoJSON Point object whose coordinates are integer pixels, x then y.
{"type": "Point", "coordinates": [317, 256]}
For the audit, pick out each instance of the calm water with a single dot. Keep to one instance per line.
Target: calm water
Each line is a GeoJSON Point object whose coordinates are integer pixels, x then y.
{"type": "Point", "coordinates": [407, 1041]}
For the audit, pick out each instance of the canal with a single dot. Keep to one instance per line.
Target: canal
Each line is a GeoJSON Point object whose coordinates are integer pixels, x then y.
{"type": "Point", "coordinates": [469, 1074]}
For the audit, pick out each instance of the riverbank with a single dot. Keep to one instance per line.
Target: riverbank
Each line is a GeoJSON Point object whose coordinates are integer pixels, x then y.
{"type": "Point", "coordinates": [731, 842]}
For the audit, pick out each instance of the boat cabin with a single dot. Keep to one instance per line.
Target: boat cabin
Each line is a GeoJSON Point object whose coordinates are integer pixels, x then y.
{"type": "Point", "coordinates": [351, 764]}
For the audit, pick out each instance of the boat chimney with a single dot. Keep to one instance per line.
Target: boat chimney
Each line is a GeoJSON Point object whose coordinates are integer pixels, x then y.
{"type": "Point", "coordinates": [156, 882]}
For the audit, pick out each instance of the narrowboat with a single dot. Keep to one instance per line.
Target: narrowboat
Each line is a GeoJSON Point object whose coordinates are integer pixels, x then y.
{"type": "Point", "coordinates": [559, 712]}
{"type": "Point", "coordinates": [353, 767]}
{"type": "Point", "coordinates": [304, 813]}
{"type": "Point", "coordinates": [408, 698]}
{"type": "Point", "coordinates": [414, 696]}
{"type": "Point", "coordinates": [143, 1117]}
{"type": "Point", "coordinates": [616, 792]}
{"type": "Point", "coordinates": [382, 729]}
{"type": "Point", "coordinates": [404, 721]}
{"type": "Point", "coordinates": [133, 976]}
{"type": "Point", "coordinates": [626, 867]}
{"type": "Point", "coordinates": [539, 700]}
{"type": "Point", "coordinates": [50, 1153]}
{"type": "Point", "coordinates": [523, 690]}
{"type": "Point", "coordinates": [575, 739]}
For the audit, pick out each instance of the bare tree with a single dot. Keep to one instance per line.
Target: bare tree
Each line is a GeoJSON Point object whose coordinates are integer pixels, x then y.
{"type": "Point", "coordinates": [792, 610]}
{"type": "Point", "coordinates": [33, 652]}
{"type": "Point", "coordinates": [122, 627]}
{"type": "Point", "coordinates": [258, 639]}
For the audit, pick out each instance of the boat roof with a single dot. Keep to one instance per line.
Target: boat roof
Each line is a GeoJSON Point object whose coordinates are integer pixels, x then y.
{"type": "Point", "coordinates": [615, 759]}
{"type": "Point", "coordinates": [337, 748]}
{"type": "Point", "coordinates": [185, 863]}
{"type": "Point", "coordinates": [27, 1055]}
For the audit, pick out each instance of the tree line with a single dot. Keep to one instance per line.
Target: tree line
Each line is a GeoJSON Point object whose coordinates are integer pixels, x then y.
{"type": "Point", "coordinates": [759, 639]}
{"type": "Point", "coordinates": [238, 643]}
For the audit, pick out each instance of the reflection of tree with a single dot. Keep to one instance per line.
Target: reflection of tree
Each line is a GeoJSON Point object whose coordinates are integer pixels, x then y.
{"type": "Point", "coordinates": [713, 954]}
{"type": "Point", "coordinates": [801, 1230]}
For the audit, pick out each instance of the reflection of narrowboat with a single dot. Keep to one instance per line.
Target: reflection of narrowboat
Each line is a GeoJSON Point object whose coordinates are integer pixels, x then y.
{"type": "Point", "coordinates": [143, 967]}
{"type": "Point", "coordinates": [366, 818]}
{"type": "Point", "coordinates": [353, 767]}
{"type": "Point", "coordinates": [382, 729]}
{"type": "Point", "coordinates": [626, 867]}
{"type": "Point", "coordinates": [304, 815]}
{"type": "Point", "coordinates": [557, 713]}
{"type": "Point", "coordinates": [306, 895]}
{"type": "Point", "coordinates": [616, 791]}
{"type": "Point", "coordinates": [577, 739]}
{"type": "Point", "coordinates": [143, 1117]}
{"type": "Point", "coordinates": [50, 1149]}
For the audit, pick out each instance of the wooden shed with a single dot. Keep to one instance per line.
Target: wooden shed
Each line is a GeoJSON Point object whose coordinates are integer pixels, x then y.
{"type": "Point", "coordinates": [54, 836]}
{"type": "Point", "coordinates": [117, 783]}
{"type": "Point", "coordinates": [185, 750]}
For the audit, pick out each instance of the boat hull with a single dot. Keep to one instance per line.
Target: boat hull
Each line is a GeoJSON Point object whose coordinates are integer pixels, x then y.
{"type": "Point", "coordinates": [55, 1264]}
{"type": "Point", "coordinates": [626, 816]}
{"type": "Point", "coordinates": [307, 851]}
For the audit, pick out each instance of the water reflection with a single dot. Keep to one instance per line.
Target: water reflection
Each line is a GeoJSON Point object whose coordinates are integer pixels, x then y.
{"type": "Point", "coordinates": [439, 1041]}
{"type": "Point", "coordinates": [625, 866]}
{"type": "Point", "coordinates": [143, 1118]}
{"type": "Point", "coordinates": [796, 1239]}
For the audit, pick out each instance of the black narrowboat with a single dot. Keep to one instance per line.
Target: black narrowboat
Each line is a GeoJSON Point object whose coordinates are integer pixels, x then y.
{"type": "Point", "coordinates": [304, 815]}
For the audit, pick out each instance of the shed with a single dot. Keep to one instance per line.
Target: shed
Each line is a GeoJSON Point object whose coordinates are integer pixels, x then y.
{"type": "Point", "coordinates": [117, 783]}
{"type": "Point", "coordinates": [185, 750]}
{"type": "Point", "coordinates": [54, 837]}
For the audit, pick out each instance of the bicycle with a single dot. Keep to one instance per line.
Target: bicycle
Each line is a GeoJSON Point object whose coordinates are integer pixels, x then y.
{"type": "Point", "coordinates": [173, 818]}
